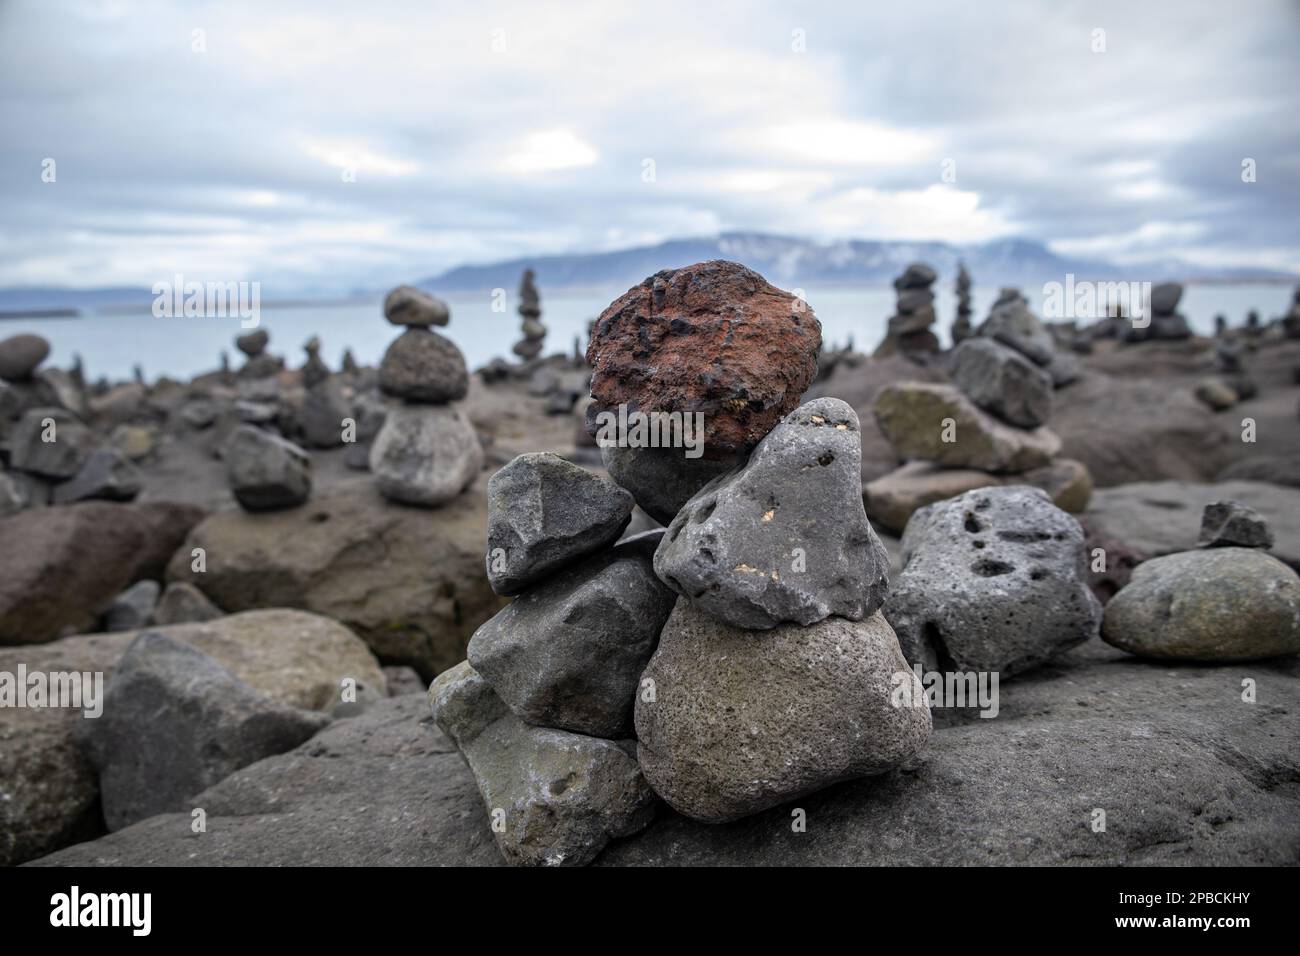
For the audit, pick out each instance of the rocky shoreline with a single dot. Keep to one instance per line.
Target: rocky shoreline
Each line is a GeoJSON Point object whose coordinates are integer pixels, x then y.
{"type": "Point", "coordinates": [642, 657]}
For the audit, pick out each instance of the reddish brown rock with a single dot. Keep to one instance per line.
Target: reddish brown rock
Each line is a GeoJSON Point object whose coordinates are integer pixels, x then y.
{"type": "Point", "coordinates": [61, 567]}
{"type": "Point", "coordinates": [714, 337]}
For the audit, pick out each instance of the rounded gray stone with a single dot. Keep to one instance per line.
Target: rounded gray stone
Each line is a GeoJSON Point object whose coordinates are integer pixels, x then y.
{"type": "Point", "coordinates": [423, 366]}
{"type": "Point", "coordinates": [1216, 605]}
{"type": "Point", "coordinates": [740, 722]}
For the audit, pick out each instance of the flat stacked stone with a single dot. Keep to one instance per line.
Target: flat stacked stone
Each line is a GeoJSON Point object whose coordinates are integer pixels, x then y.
{"type": "Point", "coordinates": [909, 331]}
{"type": "Point", "coordinates": [426, 452]}
{"type": "Point", "coordinates": [988, 428]}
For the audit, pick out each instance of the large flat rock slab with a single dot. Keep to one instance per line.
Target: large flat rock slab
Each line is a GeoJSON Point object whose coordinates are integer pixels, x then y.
{"type": "Point", "coordinates": [1161, 517]}
{"type": "Point", "coordinates": [1186, 771]}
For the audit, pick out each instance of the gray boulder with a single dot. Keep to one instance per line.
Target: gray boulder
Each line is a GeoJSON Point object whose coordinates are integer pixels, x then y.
{"type": "Point", "coordinates": [423, 366]}
{"type": "Point", "coordinates": [1094, 730]}
{"type": "Point", "coordinates": [323, 410]}
{"type": "Point", "coordinates": [663, 479]}
{"type": "Point", "coordinates": [108, 474]}
{"type": "Point", "coordinates": [544, 513]}
{"type": "Point", "coordinates": [1232, 524]}
{"type": "Point", "coordinates": [183, 603]}
{"type": "Point", "coordinates": [993, 580]}
{"type": "Point", "coordinates": [1222, 604]}
{"type": "Point", "coordinates": [737, 722]}
{"type": "Point", "coordinates": [175, 722]}
{"type": "Point", "coordinates": [266, 472]}
{"type": "Point", "coordinates": [131, 609]}
{"type": "Point", "coordinates": [68, 446]}
{"type": "Point", "coordinates": [784, 539]}
{"type": "Point", "coordinates": [569, 652]}
{"type": "Point", "coordinates": [558, 797]}
{"type": "Point", "coordinates": [425, 455]}
{"type": "Point", "coordinates": [1011, 323]}
{"type": "Point", "coordinates": [1003, 382]}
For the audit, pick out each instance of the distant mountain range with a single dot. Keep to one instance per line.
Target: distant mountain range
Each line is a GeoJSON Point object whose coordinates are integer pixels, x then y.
{"type": "Point", "coordinates": [786, 261]}
{"type": "Point", "coordinates": [800, 263]}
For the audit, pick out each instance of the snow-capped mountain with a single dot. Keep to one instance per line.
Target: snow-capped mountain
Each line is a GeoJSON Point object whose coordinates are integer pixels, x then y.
{"type": "Point", "coordinates": [796, 263]}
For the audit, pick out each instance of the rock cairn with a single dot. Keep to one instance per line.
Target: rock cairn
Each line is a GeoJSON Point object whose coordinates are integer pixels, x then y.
{"type": "Point", "coordinates": [1291, 321]}
{"type": "Point", "coordinates": [52, 456]}
{"type": "Point", "coordinates": [261, 363]}
{"type": "Point", "coordinates": [1165, 323]}
{"type": "Point", "coordinates": [1228, 600]}
{"type": "Point", "coordinates": [530, 311]}
{"type": "Point", "coordinates": [989, 427]}
{"type": "Point", "coordinates": [961, 327]}
{"type": "Point", "coordinates": [314, 370]}
{"type": "Point", "coordinates": [909, 331]}
{"type": "Point", "coordinates": [718, 664]}
{"type": "Point", "coordinates": [427, 452]}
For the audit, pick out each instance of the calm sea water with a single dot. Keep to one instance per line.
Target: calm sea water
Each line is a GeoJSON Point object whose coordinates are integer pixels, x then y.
{"type": "Point", "coordinates": [111, 344]}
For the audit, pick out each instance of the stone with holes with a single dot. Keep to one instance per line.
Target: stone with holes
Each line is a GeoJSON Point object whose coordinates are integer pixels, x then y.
{"type": "Point", "coordinates": [992, 580]}
{"type": "Point", "coordinates": [786, 537]}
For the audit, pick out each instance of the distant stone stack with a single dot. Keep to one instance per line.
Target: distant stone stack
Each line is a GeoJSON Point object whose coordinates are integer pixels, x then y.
{"type": "Point", "coordinates": [1164, 321]}
{"type": "Point", "coordinates": [909, 331]}
{"type": "Point", "coordinates": [1291, 321]}
{"type": "Point", "coordinates": [961, 328]}
{"type": "Point", "coordinates": [987, 428]}
{"type": "Point", "coordinates": [314, 370]}
{"type": "Point", "coordinates": [426, 452]}
{"type": "Point", "coordinates": [261, 363]}
{"type": "Point", "coordinates": [530, 310]}
{"type": "Point", "coordinates": [51, 455]}
{"type": "Point", "coordinates": [708, 664]}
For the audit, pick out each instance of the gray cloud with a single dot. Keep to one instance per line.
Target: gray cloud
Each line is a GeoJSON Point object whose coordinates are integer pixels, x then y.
{"type": "Point", "coordinates": [230, 162]}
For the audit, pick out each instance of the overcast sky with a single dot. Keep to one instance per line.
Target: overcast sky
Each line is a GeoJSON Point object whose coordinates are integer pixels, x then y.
{"type": "Point", "coordinates": [321, 146]}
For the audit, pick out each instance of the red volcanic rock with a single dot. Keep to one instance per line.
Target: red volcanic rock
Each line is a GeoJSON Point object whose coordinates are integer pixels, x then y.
{"type": "Point", "coordinates": [714, 337]}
